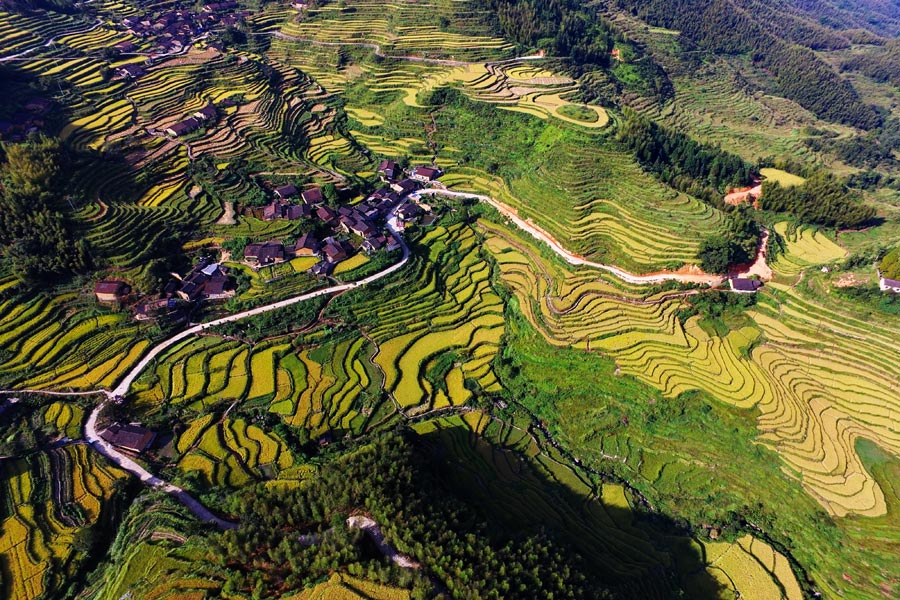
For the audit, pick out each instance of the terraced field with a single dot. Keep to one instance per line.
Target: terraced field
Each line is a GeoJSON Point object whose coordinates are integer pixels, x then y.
{"type": "Point", "coordinates": [66, 342]}
{"type": "Point", "coordinates": [46, 500]}
{"type": "Point", "coordinates": [819, 379]}
{"type": "Point", "coordinates": [805, 247]}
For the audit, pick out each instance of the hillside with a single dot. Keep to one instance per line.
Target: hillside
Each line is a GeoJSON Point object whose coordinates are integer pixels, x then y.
{"type": "Point", "coordinates": [516, 299]}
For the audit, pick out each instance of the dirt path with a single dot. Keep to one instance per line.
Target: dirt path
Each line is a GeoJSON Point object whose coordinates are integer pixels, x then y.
{"type": "Point", "coordinates": [380, 53]}
{"type": "Point", "coordinates": [52, 40]}
{"type": "Point", "coordinates": [760, 267]}
{"type": "Point", "coordinates": [372, 528]}
{"type": "Point", "coordinates": [227, 217]}
{"type": "Point", "coordinates": [539, 234]}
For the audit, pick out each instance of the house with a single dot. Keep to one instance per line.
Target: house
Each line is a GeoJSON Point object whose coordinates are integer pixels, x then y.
{"type": "Point", "coordinates": [219, 6]}
{"type": "Point", "coordinates": [38, 105]}
{"type": "Point", "coordinates": [295, 211]}
{"type": "Point", "coordinates": [322, 268]}
{"type": "Point", "coordinates": [208, 281]}
{"type": "Point", "coordinates": [425, 174]}
{"type": "Point", "coordinates": [265, 253]}
{"type": "Point", "coordinates": [189, 125]}
{"type": "Point", "coordinates": [111, 291]}
{"type": "Point", "coordinates": [297, 5]}
{"type": "Point", "coordinates": [286, 191]}
{"type": "Point", "coordinates": [335, 252]}
{"type": "Point", "coordinates": [389, 170]}
{"type": "Point", "coordinates": [207, 113]}
{"type": "Point", "coordinates": [125, 46]}
{"type": "Point", "coordinates": [407, 186]}
{"type": "Point", "coordinates": [271, 212]}
{"type": "Point", "coordinates": [129, 71]}
{"type": "Point", "coordinates": [742, 285]}
{"type": "Point", "coordinates": [326, 214]}
{"type": "Point", "coordinates": [361, 228]}
{"type": "Point", "coordinates": [887, 284]}
{"type": "Point", "coordinates": [313, 196]}
{"type": "Point", "coordinates": [307, 245]}
{"type": "Point", "coordinates": [128, 437]}
{"type": "Point", "coordinates": [408, 212]}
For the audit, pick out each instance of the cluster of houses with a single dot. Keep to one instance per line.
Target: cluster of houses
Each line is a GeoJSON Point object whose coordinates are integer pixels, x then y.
{"type": "Point", "coordinates": [174, 30]}
{"type": "Point", "coordinates": [205, 116]}
{"type": "Point", "coordinates": [25, 121]}
{"type": "Point", "coordinates": [363, 221]}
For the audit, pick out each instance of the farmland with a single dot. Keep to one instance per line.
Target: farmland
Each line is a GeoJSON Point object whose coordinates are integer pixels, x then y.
{"type": "Point", "coordinates": [657, 440]}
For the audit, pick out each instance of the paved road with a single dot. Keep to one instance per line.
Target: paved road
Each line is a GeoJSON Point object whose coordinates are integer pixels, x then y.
{"type": "Point", "coordinates": [541, 235]}
{"type": "Point", "coordinates": [125, 384]}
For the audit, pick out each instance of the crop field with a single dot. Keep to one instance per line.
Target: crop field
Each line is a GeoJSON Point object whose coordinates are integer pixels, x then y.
{"type": "Point", "coordinates": [49, 344]}
{"type": "Point", "coordinates": [46, 500]}
{"type": "Point", "coordinates": [783, 177]}
{"type": "Point", "coordinates": [232, 453]}
{"type": "Point", "coordinates": [805, 247]}
{"type": "Point", "coordinates": [346, 587]}
{"type": "Point", "coordinates": [819, 380]}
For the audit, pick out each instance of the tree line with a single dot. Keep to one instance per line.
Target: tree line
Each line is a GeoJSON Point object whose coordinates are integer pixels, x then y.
{"type": "Point", "coordinates": [822, 200]}
{"type": "Point", "coordinates": [701, 170]}
{"type": "Point", "coordinates": [400, 487]}
{"type": "Point", "coordinates": [38, 241]}
{"type": "Point", "coordinates": [720, 26]}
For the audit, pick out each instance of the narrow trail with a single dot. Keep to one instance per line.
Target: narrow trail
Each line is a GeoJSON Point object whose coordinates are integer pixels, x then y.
{"type": "Point", "coordinates": [52, 40]}
{"type": "Point", "coordinates": [539, 234]}
{"type": "Point", "coordinates": [380, 53]}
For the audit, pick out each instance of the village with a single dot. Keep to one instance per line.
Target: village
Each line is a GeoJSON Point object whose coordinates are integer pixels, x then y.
{"type": "Point", "coordinates": [333, 234]}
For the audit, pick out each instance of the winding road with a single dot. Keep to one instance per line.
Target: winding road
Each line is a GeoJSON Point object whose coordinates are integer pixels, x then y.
{"type": "Point", "coordinates": [573, 259]}
{"type": "Point", "coordinates": [51, 41]}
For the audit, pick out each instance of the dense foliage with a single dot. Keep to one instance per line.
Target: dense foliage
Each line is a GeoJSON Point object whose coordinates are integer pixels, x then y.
{"type": "Point", "coordinates": [397, 485]}
{"type": "Point", "coordinates": [563, 27]}
{"type": "Point", "coordinates": [737, 245]}
{"type": "Point", "coordinates": [890, 264]}
{"type": "Point", "coordinates": [699, 169]}
{"type": "Point", "coordinates": [721, 26]}
{"type": "Point", "coordinates": [36, 239]}
{"type": "Point", "coordinates": [822, 200]}
{"type": "Point", "coordinates": [882, 65]}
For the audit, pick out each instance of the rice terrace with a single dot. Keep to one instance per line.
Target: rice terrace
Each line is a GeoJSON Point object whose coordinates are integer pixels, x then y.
{"type": "Point", "coordinates": [446, 299]}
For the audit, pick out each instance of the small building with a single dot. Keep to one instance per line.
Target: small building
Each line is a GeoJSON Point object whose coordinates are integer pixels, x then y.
{"type": "Point", "coordinates": [271, 212]}
{"type": "Point", "coordinates": [286, 191]}
{"type": "Point", "coordinates": [886, 284]}
{"type": "Point", "coordinates": [38, 105]}
{"type": "Point", "coordinates": [389, 170]}
{"type": "Point", "coordinates": [425, 174]}
{"type": "Point", "coordinates": [265, 253]}
{"type": "Point", "coordinates": [335, 252]}
{"type": "Point", "coordinates": [406, 186]}
{"type": "Point", "coordinates": [295, 211]}
{"type": "Point", "coordinates": [125, 46]}
{"type": "Point", "coordinates": [128, 437]}
{"type": "Point", "coordinates": [408, 212]}
{"type": "Point", "coordinates": [207, 113]}
{"type": "Point", "coordinates": [326, 214]}
{"type": "Point", "coordinates": [307, 245]}
{"type": "Point", "coordinates": [322, 268]}
{"type": "Point", "coordinates": [111, 291]}
{"type": "Point", "coordinates": [129, 71]}
{"type": "Point", "coordinates": [313, 196]}
{"type": "Point", "coordinates": [189, 125]}
{"type": "Point", "coordinates": [743, 285]}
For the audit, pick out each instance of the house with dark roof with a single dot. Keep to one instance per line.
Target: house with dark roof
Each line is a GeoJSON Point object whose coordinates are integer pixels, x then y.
{"type": "Point", "coordinates": [286, 191]}
{"type": "Point", "coordinates": [313, 196]}
{"type": "Point", "coordinates": [743, 285]}
{"type": "Point", "coordinates": [425, 174]}
{"type": "Point", "coordinates": [307, 245]}
{"type": "Point", "coordinates": [270, 212]}
{"type": "Point", "coordinates": [128, 437]}
{"type": "Point", "coordinates": [207, 113]}
{"type": "Point", "coordinates": [406, 186]}
{"type": "Point", "coordinates": [322, 268]}
{"type": "Point", "coordinates": [110, 291]}
{"type": "Point", "coordinates": [408, 212]}
{"type": "Point", "coordinates": [295, 211]}
{"type": "Point", "coordinates": [326, 214]}
{"type": "Point", "coordinates": [265, 253]}
{"type": "Point", "coordinates": [125, 46]}
{"type": "Point", "coordinates": [129, 71]}
{"type": "Point", "coordinates": [388, 170]}
{"type": "Point", "coordinates": [207, 281]}
{"type": "Point", "coordinates": [887, 284]}
{"type": "Point", "coordinates": [189, 125]}
{"type": "Point", "coordinates": [335, 252]}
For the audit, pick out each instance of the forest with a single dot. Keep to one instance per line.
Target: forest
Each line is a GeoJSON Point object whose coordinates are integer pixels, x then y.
{"type": "Point", "coordinates": [698, 169]}
{"type": "Point", "coordinates": [36, 239]}
{"type": "Point", "coordinates": [721, 27]}
{"type": "Point", "coordinates": [736, 245]}
{"type": "Point", "coordinates": [822, 200]}
{"type": "Point", "coordinates": [290, 538]}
